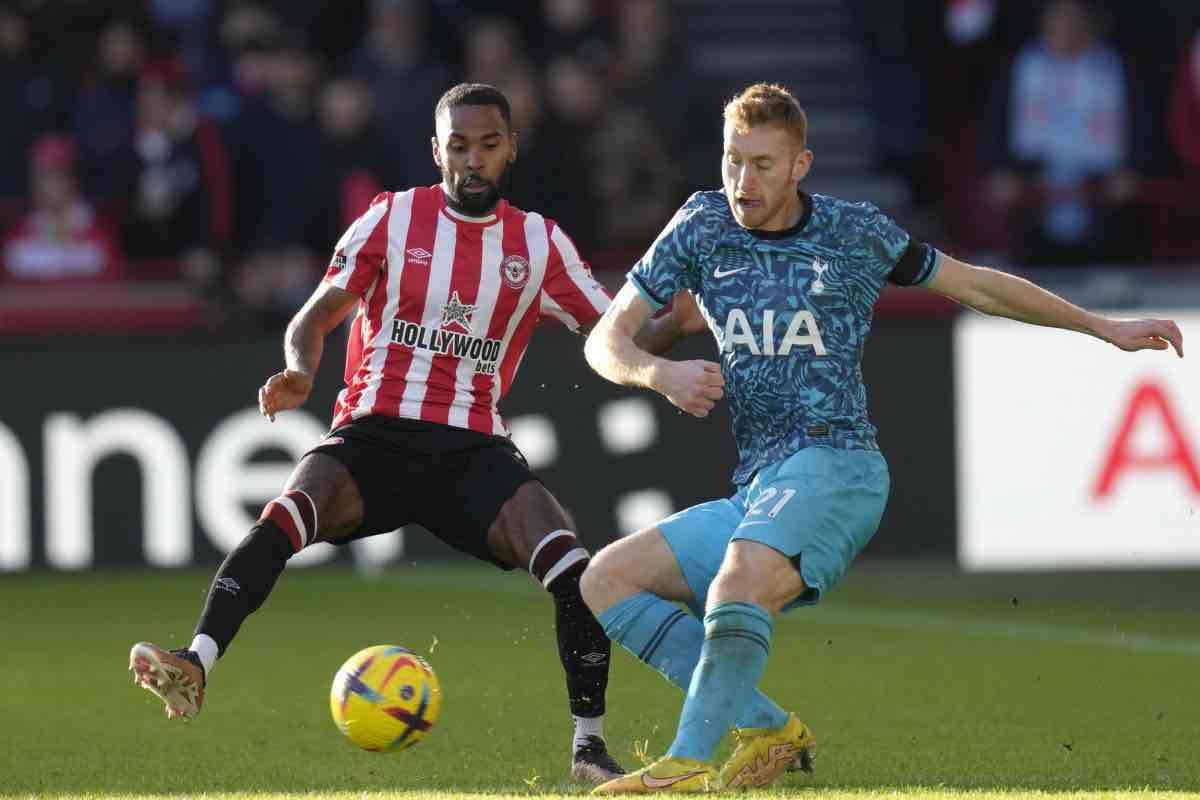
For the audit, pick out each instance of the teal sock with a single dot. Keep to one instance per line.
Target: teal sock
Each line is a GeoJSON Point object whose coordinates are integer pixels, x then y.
{"type": "Point", "coordinates": [737, 640]}
{"type": "Point", "coordinates": [669, 639]}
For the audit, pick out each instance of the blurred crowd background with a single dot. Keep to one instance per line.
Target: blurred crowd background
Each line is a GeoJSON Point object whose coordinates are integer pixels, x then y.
{"type": "Point", "coordinates": [200, 157]}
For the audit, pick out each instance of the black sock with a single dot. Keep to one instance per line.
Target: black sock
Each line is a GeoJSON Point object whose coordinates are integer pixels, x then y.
{"type": "Point", "coordinates": [243, 582]}
{"type": "Point", "coordinates": [582, 645]}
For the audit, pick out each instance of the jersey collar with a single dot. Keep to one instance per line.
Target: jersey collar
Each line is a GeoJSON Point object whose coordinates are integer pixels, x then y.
{"type": "Point", "coordinates": [467, 219]}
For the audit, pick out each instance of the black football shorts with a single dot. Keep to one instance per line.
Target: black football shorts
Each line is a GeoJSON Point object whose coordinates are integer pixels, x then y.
{"type": "Point", "coordinates": [451, 481]}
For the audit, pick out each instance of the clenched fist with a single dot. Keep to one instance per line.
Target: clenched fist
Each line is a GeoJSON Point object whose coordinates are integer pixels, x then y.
{"type": "Point", "coordinates": [693, 386]}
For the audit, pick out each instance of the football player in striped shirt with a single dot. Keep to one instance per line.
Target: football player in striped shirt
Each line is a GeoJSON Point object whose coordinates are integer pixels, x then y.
{"type": "Point", "coordinates": [446, 283]}
{"type": "Point", "coordinates": [786, 281]}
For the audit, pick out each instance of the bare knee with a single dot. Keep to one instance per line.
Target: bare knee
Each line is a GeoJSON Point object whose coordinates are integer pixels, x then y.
{"type": "Point", "coordinates": [640, 562]}
{"type": "Point", "coordinates": [736, 583]}
{"type": "Point", "coordinates": [601, 584]}
{"type": "Point", "coordinates": [755, 573]}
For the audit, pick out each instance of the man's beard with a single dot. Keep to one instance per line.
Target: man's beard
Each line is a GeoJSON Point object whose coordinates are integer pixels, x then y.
{"type": "Point", "coordinates": [473, 204]}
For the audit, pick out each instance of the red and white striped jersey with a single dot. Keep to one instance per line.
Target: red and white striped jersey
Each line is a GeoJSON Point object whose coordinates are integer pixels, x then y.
{"type": "Point", "coordinates": [449, 304]}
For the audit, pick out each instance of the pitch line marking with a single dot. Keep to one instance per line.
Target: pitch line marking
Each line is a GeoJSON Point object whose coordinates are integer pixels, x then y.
{"type": "Point", "coordinates": [1019, 631]}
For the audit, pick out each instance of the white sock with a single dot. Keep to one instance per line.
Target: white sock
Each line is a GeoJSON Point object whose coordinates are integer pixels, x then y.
{"type": "Point", "coordinates": [204, 646]}
{"type": "Point", "coordinates": [587, 726]}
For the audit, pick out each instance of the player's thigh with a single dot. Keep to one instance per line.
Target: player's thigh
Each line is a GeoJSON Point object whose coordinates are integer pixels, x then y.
{"type": "Point", "coordinates": [640, 562]}
{"type": "Point", "coordinates": [365, 483]}
{"type": "Point", "coordinates": [698, 537]}
{"type": "Point", "coordinates": [819, 508]}
{"type": "Point", "coordinates": [334, 493]}
{"type": "Point", "coordinates": [523, 522]}
{"type": "Point", "coordinates": [487, 503]}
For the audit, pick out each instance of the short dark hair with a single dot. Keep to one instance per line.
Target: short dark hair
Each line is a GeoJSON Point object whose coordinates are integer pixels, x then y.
{"type": "Point", "coordinates": [474, 94]}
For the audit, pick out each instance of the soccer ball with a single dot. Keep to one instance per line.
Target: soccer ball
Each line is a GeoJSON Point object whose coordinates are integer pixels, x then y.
{"type": "Point", "coordinates": [385, 698]}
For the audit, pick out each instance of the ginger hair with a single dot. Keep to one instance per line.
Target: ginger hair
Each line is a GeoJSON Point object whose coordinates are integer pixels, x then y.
{"type": "Point", "coordinates": [768, 104]}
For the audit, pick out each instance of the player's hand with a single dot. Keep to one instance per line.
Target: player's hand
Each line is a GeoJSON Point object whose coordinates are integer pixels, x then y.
{"type": "Point", "coordinates": [692, 386]}
{"type": "Point", "coordinates": [282, 391]}
{"type": "Point", "coordinates": [1143, 334]}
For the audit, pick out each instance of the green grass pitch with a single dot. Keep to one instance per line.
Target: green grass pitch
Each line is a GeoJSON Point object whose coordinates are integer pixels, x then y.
{"type": "Point", "coordinates": [917, 680]}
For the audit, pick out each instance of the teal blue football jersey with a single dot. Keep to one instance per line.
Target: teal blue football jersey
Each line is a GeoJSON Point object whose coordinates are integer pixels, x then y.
{"type": "Point", "coordinates": [791, 311]}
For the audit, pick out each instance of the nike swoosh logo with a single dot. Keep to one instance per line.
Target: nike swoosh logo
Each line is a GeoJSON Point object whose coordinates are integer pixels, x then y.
{"type": "Point", "coordinates": [717, 273]}
{"type": "Point", "coordinates": [651, 782]}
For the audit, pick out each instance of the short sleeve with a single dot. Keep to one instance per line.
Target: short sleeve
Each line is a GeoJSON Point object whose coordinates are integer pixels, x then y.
{"type": "Point", "coordinates": [671, 263]}
{"type": "Point", "coordinates": [570, 293]}
{"type": "Point", "coordinates": [891, 253]}
{"type": "Point", "coordinates": [358, 256]}
{"type": "Point", "coordinates": [883, 240]}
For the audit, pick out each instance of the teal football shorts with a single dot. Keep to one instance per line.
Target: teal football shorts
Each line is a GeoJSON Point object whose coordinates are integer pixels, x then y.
{"type": "Point", "coordinates": [818, 507]}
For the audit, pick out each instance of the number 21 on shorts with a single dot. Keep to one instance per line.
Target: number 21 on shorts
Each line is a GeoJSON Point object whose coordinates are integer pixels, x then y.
{"type": "Point", "coordinates": [765, 497]}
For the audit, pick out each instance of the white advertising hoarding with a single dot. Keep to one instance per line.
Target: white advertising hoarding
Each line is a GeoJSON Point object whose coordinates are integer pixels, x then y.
{"type": "Point", "coordinates": [1073, 454]}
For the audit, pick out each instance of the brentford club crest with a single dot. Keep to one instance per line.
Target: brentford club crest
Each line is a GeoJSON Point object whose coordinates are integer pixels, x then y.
{"type": "Point", "coordinates": [515, 271]}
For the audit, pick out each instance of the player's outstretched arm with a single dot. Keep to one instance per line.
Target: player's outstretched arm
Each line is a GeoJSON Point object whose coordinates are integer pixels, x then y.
{"type": "Point", "coordinates": [303, 345]}
{"type": "Point", "coordinates": [611, 350]}
{"type": "Point", "coordinates": [1003, 295]}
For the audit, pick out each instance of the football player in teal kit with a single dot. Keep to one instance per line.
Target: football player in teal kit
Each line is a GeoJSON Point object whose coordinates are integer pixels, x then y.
{"type": "Point", "coordinates": [786, 282]}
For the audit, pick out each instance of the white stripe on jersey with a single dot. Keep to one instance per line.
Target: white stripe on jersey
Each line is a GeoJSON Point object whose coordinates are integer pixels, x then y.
{"type": "Point", "coordinates": [553, 309]}
{"type": "Point", "coordinates": [398, 223]}
{"type": "Point", "coordinates": [353, 239]}
{"type": "Point", "coordinates": [577, 272]}
{"type": "Point", "coordinates": [539, 251]}
{"type": "Point", "coordinates": [441, 270]}
{"type": "Point", "coordinates": [485, 305]}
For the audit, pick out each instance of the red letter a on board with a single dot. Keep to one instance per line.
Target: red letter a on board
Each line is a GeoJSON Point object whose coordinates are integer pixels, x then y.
{"type": "Point", "coordinates": [1148, 399]}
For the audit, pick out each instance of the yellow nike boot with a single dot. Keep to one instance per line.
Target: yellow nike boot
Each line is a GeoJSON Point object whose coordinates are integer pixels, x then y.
{"type": "Point", "coordinates": [763, 754]}
{"type": "Point", "coordinates": [668, 774]}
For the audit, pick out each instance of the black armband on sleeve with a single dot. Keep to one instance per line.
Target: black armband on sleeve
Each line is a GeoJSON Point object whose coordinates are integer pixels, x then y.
{"type": "Point", "coordinates": [915, 266]}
